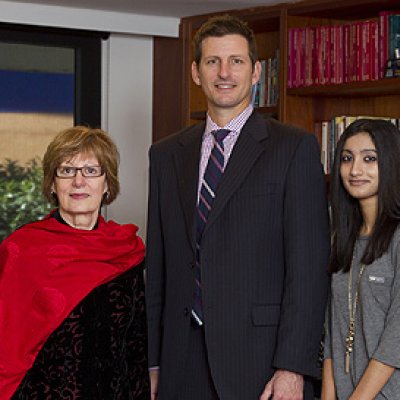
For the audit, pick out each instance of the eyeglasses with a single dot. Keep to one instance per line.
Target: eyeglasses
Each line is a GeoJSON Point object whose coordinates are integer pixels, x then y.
{"type": "Point", "coordinates": [89, 171]}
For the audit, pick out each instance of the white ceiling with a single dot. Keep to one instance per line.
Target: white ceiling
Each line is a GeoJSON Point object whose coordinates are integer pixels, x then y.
{"type": "Point", "coordinates": [165, 8]}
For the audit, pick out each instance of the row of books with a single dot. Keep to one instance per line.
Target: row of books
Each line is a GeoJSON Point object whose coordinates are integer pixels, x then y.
{"type": "Point", "coordinates": [334, 54]}
{"type": "Point", "coordinates": [329, 132]}
{"type": "Point", "coordinates": [265, 92]}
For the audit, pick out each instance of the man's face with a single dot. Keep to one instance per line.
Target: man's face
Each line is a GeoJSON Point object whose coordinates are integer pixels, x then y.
{"type": "Point", "coordinates": [226, 74]}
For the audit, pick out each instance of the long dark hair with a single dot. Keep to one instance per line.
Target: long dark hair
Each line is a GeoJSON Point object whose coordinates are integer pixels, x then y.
{"type": "Point", "coordinates": [346, 214]}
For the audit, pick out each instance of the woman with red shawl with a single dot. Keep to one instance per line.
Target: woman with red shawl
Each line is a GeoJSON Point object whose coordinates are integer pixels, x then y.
{"type": "Point", "coordinates": [72, 319]}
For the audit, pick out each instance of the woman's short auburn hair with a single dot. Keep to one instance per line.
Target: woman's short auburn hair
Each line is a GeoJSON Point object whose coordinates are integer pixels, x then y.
{"type": "Point", "coordinates": [82, 140]}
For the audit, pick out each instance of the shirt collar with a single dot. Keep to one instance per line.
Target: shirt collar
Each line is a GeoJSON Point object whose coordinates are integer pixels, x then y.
{"type": "Point", "coordinates": [234, 125]}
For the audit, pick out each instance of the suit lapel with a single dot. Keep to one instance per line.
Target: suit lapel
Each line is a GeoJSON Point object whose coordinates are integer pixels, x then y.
{"type": "Point", "coordinates": [245, 153]}
{"type": "Point", "coordinates": [187, 158]}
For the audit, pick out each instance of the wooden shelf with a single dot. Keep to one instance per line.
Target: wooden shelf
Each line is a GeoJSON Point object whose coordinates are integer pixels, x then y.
{"type": "Point", "coordinates": [268, 111]}
{"type": "Point", "coordinates": [382, 87]}
{"type": "Point", "coordinates": [198, 115]}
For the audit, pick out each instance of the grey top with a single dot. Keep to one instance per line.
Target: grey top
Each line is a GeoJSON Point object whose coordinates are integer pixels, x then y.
{"type": "Point", "coordinates": [377, 329]}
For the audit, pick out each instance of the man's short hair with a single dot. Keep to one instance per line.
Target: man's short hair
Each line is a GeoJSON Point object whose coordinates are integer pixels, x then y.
{"type": "Point", "coordinates": [219, 26]}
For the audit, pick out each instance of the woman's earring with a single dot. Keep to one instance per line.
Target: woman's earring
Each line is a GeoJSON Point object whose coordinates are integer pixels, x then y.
{"type": "Point", "coordinates": [55, 198]}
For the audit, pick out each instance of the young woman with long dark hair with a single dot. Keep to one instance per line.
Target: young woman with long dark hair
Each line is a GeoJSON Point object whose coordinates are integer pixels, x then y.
{"type": "Point", "coordinates": [362, 341]}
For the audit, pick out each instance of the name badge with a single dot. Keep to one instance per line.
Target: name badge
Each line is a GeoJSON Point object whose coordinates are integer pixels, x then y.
{"type": "Point", "coordinates": [377, 279]}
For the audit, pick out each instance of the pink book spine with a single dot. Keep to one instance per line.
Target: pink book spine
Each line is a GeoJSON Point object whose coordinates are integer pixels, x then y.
{"type": "Point", "coordinates": [296, 63]}
{"type": "Point", "coordinates": [339, 53]}
{"type": "Point", "coordinates": [290, 58]}
{"type": "Point", "coordinates": [324, 59]}
{"type": "Point", "coordinates": [358, 70]}
{"type": "Point", "coordinates": [383, 42]}
{"type": "Point", "coordinates": [354, 44]}
{"type": "Point", "coordinates": [318, 56]}
{"type": "Point", "coordinates": [328, 66]}
{"type": "Point", "coordinates": [333, 63]}
{"type": "Point", "coordinates": [309, 54]}
{"type": "Point", "coordinates": [365, 61]}
{"type": "Point", "coordinates": [302, 43]}
{"type": "Point", "coordinates": [322, 56]}
{"type": "Point", "coordinates": [346, 53]}
{"type": "Point", "coordinates": [360, 53]}
{"type": "Point", "coordinates": [374, 47]}
{"type": "Point", "coordinates": [314, 67]}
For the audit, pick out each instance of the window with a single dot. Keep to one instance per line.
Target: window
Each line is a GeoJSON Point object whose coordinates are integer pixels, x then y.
{"type": "Point", "coordinates": [50, 79]}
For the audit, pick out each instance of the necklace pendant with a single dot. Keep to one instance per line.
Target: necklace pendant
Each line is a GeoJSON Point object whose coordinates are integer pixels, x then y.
{"type": "Point", "coordinates": [349, 349]}
{"type": "Point", "coordinates": [349, 341]}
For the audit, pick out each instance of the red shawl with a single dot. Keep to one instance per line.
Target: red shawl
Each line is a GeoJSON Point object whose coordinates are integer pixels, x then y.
{"type": "Point", "coordinates": [46, 269]}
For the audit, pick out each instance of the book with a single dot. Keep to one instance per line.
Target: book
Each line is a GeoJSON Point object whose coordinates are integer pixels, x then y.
{"type": "Point", "coordinates": [384, 51]}
{"type": "Point", "coordinates": [324, 146]}
{"type": "Point", "coordinates": [309, 55]}
{"type": "Point", "coordinates": [347, 53]}
{"type": "Point", "coordinates": [394, 34]}
{"type": "Point", "coordinates": [290, 67]}
{"type": "Point", "coordinates": [374, 49]}
{"type": "Point", "coordinates": [350, 52]}
{"type": "Point", "coordinates": [365, 55]}
{"type": "Point", "coordinates": [262, 84]}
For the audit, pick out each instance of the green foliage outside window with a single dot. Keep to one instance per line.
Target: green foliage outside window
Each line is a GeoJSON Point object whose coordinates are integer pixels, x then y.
{"type": "Point", "coordinates": [21, 199]}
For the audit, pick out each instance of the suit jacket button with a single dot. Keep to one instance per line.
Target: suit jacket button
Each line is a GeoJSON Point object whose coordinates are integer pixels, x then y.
{"type": "Point", "coordinates": [185, 311]}
{"type": "Point", "coordinates": [192, 264]}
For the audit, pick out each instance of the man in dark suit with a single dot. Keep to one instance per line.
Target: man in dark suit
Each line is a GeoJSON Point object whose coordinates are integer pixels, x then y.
{"type": "Point", "coordinates": [238, 241]}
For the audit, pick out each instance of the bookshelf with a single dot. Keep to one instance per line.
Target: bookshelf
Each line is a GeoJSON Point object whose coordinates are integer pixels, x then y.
{"type": "Point", "coordinates": [324, 102]}
{"type": "Point", "coordinates": [299, 106]}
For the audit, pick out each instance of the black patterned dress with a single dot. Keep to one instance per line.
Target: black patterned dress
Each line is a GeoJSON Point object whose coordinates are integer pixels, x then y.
{"type": "Point", "coordinates": [99, 351]}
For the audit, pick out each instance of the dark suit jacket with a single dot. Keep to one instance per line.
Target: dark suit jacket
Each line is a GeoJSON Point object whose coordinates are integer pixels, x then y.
{"type": "Point", "coordinates": [264, 257]}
